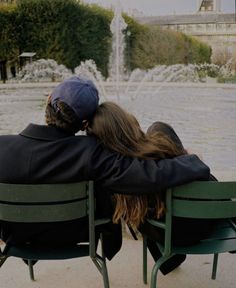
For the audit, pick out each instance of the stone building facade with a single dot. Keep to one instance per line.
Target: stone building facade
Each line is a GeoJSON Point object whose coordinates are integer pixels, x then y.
{"type": "Point", "coordinates": [216, 29]}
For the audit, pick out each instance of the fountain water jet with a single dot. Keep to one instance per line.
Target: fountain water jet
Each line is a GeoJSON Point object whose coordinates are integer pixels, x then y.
{"type": "Point", "coordinates": [116, 65]}
{"type": "Point", "coordinates": [43, 70]}
{"type": "Point", "coordinates": [88, 69]}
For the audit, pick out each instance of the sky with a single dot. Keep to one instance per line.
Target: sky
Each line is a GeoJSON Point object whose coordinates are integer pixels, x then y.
{"type": "Point", "coordinates": [162, 7]}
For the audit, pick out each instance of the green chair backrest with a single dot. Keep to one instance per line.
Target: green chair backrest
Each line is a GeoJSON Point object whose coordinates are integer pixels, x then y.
{"type": "Point", "coordinates": [199, 199]}
{"type": "Point", "coordinates": [214, 200]}
{"type": "Point", "coordinates": [32, 203]}
{"type": "Point", "coordinates": [37, 203]}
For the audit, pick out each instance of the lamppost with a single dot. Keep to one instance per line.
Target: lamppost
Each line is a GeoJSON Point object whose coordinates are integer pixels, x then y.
{"type": "Point", "coordinates": [235, 11]}
{"type": "Point", "coordinates": [128, 33]}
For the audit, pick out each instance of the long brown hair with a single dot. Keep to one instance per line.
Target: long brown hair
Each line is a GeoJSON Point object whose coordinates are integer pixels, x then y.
{"type": "Point", "coordinates": [120, 131]}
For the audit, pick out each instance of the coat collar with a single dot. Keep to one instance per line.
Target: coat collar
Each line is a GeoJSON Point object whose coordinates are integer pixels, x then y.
{"type": "Point", "coordinates": [45, 133]}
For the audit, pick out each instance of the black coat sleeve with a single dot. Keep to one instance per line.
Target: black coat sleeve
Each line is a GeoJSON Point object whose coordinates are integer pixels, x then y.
{"type": "Point", "coordinates": [120, 174]}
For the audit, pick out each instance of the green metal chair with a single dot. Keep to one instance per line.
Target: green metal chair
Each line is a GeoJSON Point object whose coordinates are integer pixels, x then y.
{"type": "Point", "coordinates": [208, 200]}
{"type": "Point", "coordinates": [51, 203]}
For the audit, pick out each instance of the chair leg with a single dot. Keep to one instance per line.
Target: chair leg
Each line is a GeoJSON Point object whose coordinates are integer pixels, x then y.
{"type": "Point", "coordinates": [3, 258]}
{"type": "Point", "coordinates": [105, 275]}
{"type": "Point", "coordinates": [31, 270]}
{"type": "Point", "coordinates": [100, 263]}
{"type": "Point", "coordinates": [103, 265]}
{"type": "Point", "coordinates": [155, 270]}
{"type": "Point", "coordinates": [144, 259]}
{"type": "Point", "coordinates": [214, 268]}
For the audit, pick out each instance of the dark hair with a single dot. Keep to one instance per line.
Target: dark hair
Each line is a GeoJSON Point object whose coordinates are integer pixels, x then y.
{"type": "Point", "coordinates": [120, 131]}
{"type": "Point", "coordinates": [167, 131]}
{"type": "Point", "coordinates": [64, 118]}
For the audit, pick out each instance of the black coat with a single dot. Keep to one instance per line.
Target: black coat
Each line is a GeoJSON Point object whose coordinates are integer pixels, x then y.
{"type": "Point", "coordinates": [43, 154]}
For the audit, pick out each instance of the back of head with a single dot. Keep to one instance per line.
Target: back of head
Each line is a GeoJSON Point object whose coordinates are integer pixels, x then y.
{"type": "Point", "coordinates": [116, 128]}
{"type": "Point", "coordinates": [167, 131]}
{"type": "Point", "coordinates": [72, 102]}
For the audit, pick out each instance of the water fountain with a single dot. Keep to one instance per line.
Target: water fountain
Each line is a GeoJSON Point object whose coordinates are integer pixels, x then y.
{"type": "Point", "coordinates": [43, 70]}
{"type": "Point", "coordinates": [117, 26]}
{"type": "Point", "coordinates": [118, 83]}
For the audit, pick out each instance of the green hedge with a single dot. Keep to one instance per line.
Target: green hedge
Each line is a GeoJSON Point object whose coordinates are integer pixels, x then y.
{"type": "Point", "coordinates": [70, 32]}
{"type": "Point", "coordinates": [65, 31]}
{"type": "Point", "coordinates": [8, 41]}
{"type": "Point", "coordinates": [159, 46]}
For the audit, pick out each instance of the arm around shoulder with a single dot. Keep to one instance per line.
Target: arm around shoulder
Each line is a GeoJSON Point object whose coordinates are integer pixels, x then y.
{"type": "Point", "coordinates": [135, 176]}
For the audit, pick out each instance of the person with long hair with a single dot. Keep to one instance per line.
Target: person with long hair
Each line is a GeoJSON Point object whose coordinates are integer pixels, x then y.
{"type": "Point", "coordinates": [120, 131]}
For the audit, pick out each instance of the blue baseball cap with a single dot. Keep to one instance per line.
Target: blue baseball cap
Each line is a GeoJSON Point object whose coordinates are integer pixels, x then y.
{"type": "Point", "coordinates": [79, 94]}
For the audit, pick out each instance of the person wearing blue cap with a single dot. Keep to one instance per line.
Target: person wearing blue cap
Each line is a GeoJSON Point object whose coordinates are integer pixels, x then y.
{"type": "Point", "coordinates": [52, 153]}
{"type": "Point", "coordinates": [80, 95]}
